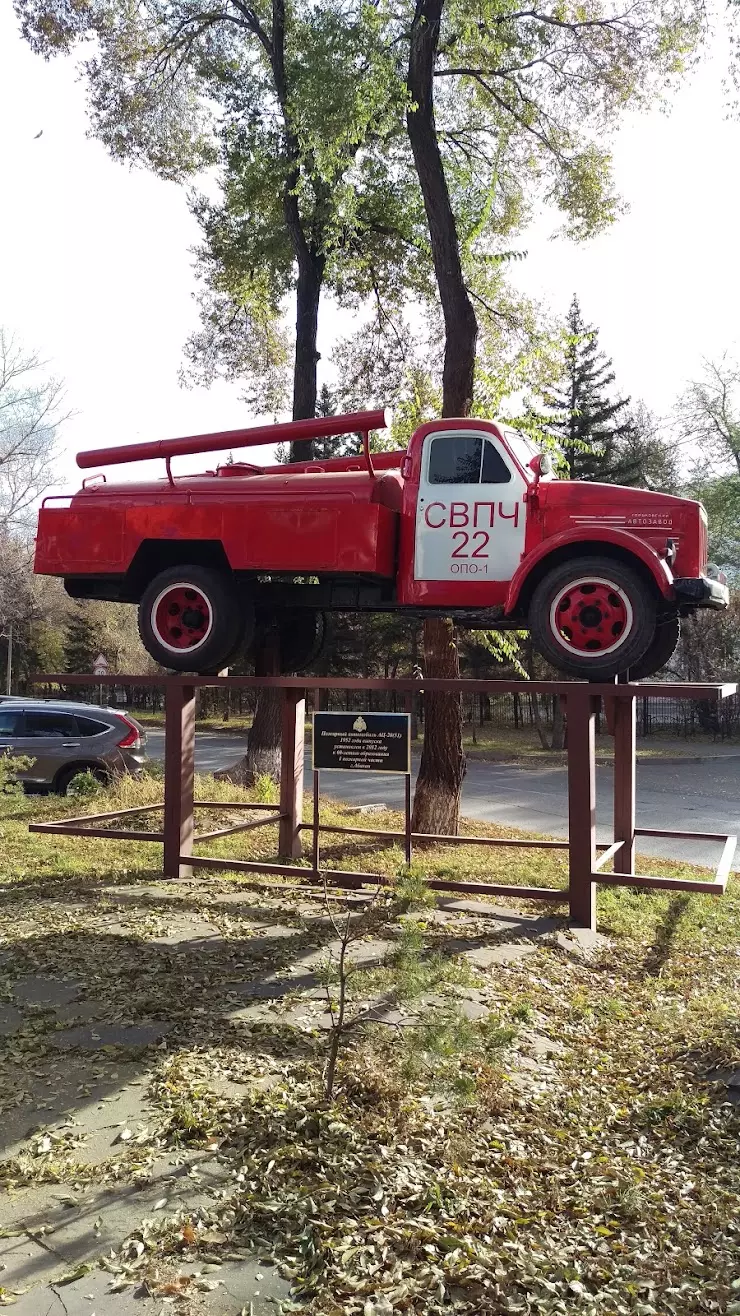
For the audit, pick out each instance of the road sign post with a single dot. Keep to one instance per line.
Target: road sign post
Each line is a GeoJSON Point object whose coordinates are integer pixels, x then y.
{"type": "Point", "coordinates": [101, 668]}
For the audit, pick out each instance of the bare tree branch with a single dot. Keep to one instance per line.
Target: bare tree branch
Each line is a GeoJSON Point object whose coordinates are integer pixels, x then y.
{"type": "Point", "coordinates": [30, 416]}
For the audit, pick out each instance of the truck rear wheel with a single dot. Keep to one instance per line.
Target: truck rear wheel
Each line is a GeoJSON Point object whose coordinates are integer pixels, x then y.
{"type": "Point", "coordinates": [592, 617]}
{"type": "Point", "coordinates": [662, 649]}
{"type": "Point", "coordinates": [191, 619]}
{"type": "Point", "coordinates": [302, 638]}
{"type": "Point", "coordinates": [301, 633]}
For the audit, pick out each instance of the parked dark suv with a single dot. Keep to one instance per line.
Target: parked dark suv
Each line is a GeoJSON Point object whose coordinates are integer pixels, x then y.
{"type": "Point", "coordinates": [65, 739]}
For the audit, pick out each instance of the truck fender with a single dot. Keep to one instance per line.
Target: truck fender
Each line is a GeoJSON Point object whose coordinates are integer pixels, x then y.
{"type": "Point", "coordinates": [657, 566]}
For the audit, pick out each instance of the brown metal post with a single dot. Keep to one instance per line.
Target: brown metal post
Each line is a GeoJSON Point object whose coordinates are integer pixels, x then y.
{"type": "Point", "coordinates": [315, 834]}
{"type": "Point", "coordinates": [625, 729]}
{"type": "Point", "coordinates": [293, 715]}
{"type": "Point", "coordinates": [582, 807]}
{"type": "Point", "coordinates": [407, 818]}
{"type": "Point", "coordinates": [179, 773]}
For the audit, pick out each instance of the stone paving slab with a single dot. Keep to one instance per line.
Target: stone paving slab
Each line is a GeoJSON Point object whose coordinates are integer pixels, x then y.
{"type": "Point", "coordinates": [93, 1037]}
{"type": "Point", "coordinates": [45, 991]}
{"type": "Point", "coordinates": [362, 954]}
{"type": "Point", "coordinates": [11, 1020]}
{"type": "Point", "coordinates": [98, 1113]}
{"type": "Point", "coordinates": [79, 1012]}
{"type": "Point", "coordinates": [67, 1229]}
{"type": "Point", "coordinates": [730, 1078]}
{"type": "Point", "coordinates": [248, 1284]}
{"type": "Point", "coordinates": [165, 891]}
{"type": "Point", "coordinates": [509, 918]}
{"type": "Point", "coordinates": [581, 941]}
{"type": "Point", "coordinates": [74, 1086]}
{"type": "Point", "coordinates": [88, 1296]}
{"type": "Point", "coordinates": [271, 989]}
{"type": "Point", "coordinates": [507, 953]}
{"type": "Point", "coordinates": [182, 927]}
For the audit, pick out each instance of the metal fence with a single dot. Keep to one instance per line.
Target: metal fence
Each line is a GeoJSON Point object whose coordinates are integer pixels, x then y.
{"type": "Point", "coordinates": [587, 858]}
{"type": "Point", "coordinates": [656, 715]}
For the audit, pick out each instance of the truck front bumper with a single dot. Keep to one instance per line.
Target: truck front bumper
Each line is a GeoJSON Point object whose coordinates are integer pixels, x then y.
{"type": "Point", "coordinates": [701, 592]}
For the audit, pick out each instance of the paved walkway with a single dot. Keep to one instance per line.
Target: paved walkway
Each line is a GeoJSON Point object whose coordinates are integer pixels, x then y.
{"type": "Point", "coordinates": [113, 995]}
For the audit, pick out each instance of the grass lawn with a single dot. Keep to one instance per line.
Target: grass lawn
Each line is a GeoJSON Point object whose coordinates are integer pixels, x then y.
{"type": "Point", "coordinates": [572, 1148]}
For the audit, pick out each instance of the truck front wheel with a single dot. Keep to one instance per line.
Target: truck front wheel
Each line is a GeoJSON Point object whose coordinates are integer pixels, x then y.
{"type": "Point", "coordinates": [592, 618]}
{"type": "Point", "coordinates": [191, 619]}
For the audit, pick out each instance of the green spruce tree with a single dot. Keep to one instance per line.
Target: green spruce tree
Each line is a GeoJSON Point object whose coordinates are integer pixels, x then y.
{"type": "Point", "coordinates": [81, 640]}
{"type": "Point", "coordinates": [338, 445]}
{"type": "Point", "coordinates": [342, 445]}
{"type": "Point", "coordinates": [593, 428]}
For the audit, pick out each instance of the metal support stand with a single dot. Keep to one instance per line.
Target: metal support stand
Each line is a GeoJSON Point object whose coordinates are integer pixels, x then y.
{"type": "Point", "coordinates": [407, 819]}
{"type": "Point", "coordinates": [315, 838]}
{"type": "Point", "coordinates": [625, 732]}
{"type": "Point", "coordinates": [293, 718]}
{"type": "Point", "coordinates": [179, 755]}
{"type": "Point", "coordinates": [582, 810]}
{"type": "Point", "coordinates": [585, 868]}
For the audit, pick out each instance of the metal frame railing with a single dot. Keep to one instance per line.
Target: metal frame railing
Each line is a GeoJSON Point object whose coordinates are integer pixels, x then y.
{"type": "Point", "coordinates": [582, 703]}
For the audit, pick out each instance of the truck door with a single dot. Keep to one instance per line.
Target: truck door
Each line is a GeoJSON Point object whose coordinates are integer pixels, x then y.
{"type": "Point", "coordinates": [471, 514]}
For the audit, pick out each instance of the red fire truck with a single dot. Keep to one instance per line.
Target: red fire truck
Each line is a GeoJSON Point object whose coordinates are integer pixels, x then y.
{"type": "Point", "coordinates": [468, 522]}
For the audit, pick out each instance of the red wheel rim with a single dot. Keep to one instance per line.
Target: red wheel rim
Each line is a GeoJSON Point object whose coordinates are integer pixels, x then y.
{"type": "Point", "coordinates": [591, 617]}
{"type": "Point", "coordinates": [182, 617]}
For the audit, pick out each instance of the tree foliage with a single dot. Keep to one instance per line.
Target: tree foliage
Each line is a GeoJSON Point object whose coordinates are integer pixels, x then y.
{"type": "Point", "coordinates": [707, 421]}
{"type": "Point", "coordinates": [593, 428]}
{"type": "Point", "coordinates": [30, 416]}
{"type": "Point", "coordinates": [82, 641]}
{"type": "Point", "coordinates": [708, 414]}
{"type": "Point", "coordinates": [540, 90]}
{"type": "Point", "coordinates": [652, 450]}
{"type": "Point", "coordinates": [290, 101]}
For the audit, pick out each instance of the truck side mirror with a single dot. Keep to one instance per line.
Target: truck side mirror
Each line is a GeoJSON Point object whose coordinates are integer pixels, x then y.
{"type": "Point", "coordinates": [541, 464]}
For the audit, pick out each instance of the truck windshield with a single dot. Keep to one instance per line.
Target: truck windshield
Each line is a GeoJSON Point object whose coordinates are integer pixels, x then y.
{"type": "Point", "coordinates": [523, 448]}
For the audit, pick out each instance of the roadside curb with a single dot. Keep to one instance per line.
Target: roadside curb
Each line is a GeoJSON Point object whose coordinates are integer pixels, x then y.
{"type": "Point", "coordinates": [530, 761]}
{"type": "Point", "coordinates": [690, 758]}
{"type": "Point", "coordinates": [544, 762]}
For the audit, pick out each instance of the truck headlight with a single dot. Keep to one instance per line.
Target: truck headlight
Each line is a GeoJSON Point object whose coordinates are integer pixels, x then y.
{"type": "Point", "coordinates": [714, 573]}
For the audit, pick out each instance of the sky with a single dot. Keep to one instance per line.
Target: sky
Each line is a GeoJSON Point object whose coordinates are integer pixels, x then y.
{"type": "Point", "coordinates": [96, 264]}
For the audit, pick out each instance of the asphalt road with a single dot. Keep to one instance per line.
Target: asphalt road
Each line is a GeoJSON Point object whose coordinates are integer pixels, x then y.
{"type": "Point", "coordinates": [690, 796]}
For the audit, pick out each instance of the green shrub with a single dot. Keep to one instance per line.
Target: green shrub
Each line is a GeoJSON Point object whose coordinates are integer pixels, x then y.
{"type": "Point", "coordinates": [11, 766]}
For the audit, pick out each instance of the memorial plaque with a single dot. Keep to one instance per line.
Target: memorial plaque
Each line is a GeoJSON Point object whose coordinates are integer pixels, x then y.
{"type": "Point", "coordinates": [362, 742]}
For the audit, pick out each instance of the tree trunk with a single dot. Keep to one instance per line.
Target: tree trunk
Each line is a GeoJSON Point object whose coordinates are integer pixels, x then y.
{"type": "Point", "coordinates": [540, 725]}
{"type": "Point", "coordinates": [262, 758]}
{"type": "Point", "coordinates": [437, 798]}
{"type": "Point", "coordinates": [558, 725]}
{"type": "Point", "coordinates": [310, 261]}
{"type": "Point", "coordinates": [461, 326]}
{"type": "Point", "coordinates": [308, 294]}
{"type": "Point", "coordinates": [263, 742]}
{"type": "Point", "coordinates": [442, 767]}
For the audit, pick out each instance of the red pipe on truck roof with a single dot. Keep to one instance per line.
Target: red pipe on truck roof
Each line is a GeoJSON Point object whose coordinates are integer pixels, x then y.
{"type": "Point", "coordinates": [320, 427]}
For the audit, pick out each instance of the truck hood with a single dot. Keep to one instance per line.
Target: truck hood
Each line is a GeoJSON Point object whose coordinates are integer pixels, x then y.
{"type": "Point", "coordinates": [580, 505]}
{"type": "Point", "coordinates": [621, 504]}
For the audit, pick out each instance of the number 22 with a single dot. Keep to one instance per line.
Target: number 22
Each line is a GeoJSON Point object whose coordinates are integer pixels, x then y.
{"type": "Point", "coordinates": [465, 539]}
